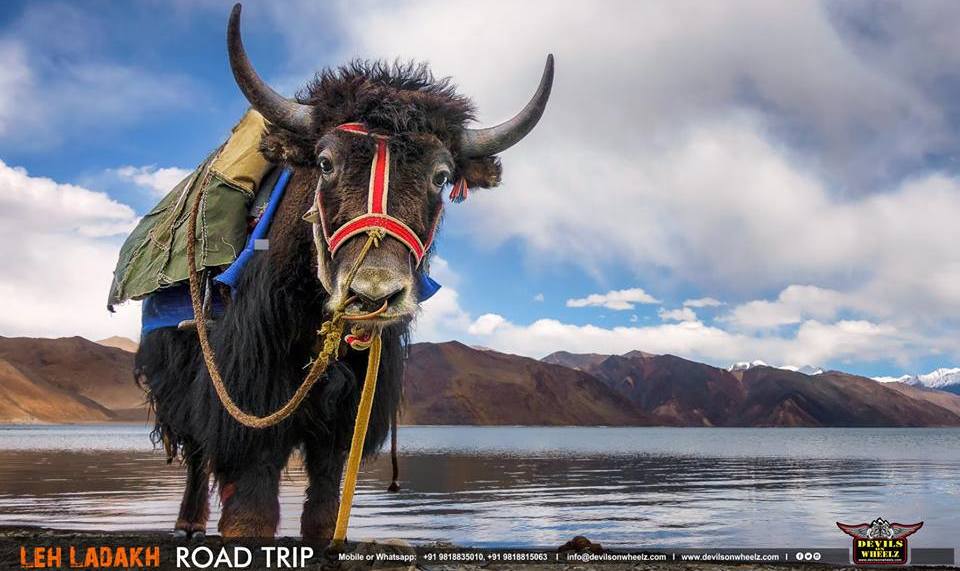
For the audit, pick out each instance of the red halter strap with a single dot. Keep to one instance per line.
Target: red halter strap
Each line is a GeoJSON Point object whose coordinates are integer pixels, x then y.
{"type": "Point", "coordinates": [377, 215]}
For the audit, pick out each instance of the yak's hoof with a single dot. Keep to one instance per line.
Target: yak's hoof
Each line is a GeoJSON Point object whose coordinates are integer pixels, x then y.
{"type": "Point", "coordinates": [180, 534]}
{"type": "Point", "coordinates": [198, 536]}
{"type": "Point", "coordinates": [394, 487]}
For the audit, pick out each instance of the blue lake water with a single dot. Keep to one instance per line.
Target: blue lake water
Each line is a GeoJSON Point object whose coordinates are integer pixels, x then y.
{"type": "Point", "coordinates": [516, 486]}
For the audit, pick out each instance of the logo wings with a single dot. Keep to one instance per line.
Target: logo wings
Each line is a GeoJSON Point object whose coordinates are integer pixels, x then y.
{"type": "Point", "coordinates": [900, 530]}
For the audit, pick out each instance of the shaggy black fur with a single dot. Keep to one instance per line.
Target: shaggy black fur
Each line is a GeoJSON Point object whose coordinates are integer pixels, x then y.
{"type": "Point", "coordinates": [263, 344]}
{"type": "Point", "coordinates": [267, 336]}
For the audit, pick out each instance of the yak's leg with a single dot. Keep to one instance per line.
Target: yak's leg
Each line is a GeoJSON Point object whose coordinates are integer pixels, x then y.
{"type": "Point", "coordinates": [250, 498]}
{"type": "Point", "coordinates": [324, 467]}
{"type": "Point", "coordinates": [195, 507]}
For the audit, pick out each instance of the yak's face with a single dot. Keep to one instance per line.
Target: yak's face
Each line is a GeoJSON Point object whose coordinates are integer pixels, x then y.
{"type": "Point", "coordinates": [419, 169]}
{"type": "Point", "coordinates": [424, 124]}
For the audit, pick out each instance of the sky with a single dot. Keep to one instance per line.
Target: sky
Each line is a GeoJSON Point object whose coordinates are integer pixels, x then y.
{"type": "Point", "coordinates": [723, 181]}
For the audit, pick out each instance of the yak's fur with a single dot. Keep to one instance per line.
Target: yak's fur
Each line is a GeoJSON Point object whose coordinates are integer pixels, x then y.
{"type": "Point", "coordinates": [393, 98]}
{"type": "Point", "coordinates": [267, 336]}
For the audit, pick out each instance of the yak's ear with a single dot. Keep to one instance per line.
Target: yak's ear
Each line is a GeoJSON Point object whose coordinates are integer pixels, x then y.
{"type": "Point", "coordinates": [481, 172]}
{"type": "Point", "coordinates": [284, 147]}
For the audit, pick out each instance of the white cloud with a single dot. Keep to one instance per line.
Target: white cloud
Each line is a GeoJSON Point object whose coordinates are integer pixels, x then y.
{"type": "Point", "coordinates": [812, 342]}
{"type": "Point", "coordinates": [159, 181]}
{"type": "Point", "coordinates": [678, 314]}
{"type": "Point", "coordinates": [486, 324]}
{"type": "Point", "coordinates": [702, 302]}
{"type": "Point", "coordinates": [59, 244]}
{"type": "Point", "coordinates": [618, 300]}
{"type": "Point", "coordinates": [539, 297]}
{"type": "Point", "coordinates": [794, 304]}
{"type": "Point", "coordinates": [441, 318]}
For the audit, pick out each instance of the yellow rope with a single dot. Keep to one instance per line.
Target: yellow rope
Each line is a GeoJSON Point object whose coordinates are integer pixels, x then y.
{"type": "Point", "coordinates": [359, 436]}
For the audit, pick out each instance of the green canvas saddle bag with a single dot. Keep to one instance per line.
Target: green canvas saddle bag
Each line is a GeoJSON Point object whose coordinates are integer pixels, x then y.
{"type": "Point", "coordinates": [154, 256]}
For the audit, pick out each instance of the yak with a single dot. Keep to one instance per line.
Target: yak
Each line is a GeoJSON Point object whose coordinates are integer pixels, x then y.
{"type": "Point", "coordinates": [268, 331]}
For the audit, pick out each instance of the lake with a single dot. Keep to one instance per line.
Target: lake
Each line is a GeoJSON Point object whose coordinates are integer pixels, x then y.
{"type": "Point", "coordinates": [525, 486]}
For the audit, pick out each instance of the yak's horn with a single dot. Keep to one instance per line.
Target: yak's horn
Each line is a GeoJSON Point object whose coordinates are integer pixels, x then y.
{"type": "Point", "coordinates": [492, 140]}
{"type": "Point", "coordinates": [274, 107]}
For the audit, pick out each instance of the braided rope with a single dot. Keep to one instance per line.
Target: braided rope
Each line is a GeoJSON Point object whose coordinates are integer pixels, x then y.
{"type": "Point", "coordinates": [359, 436]}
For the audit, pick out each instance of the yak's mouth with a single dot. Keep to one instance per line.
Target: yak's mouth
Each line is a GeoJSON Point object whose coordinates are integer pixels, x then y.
{"type": "Point", "coordinates": [394, 308]}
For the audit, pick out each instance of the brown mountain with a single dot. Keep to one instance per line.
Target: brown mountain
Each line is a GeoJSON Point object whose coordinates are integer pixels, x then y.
{"type": "Point", "coordinates": [674, 390]}
{"type": "Point", "coordinates": [680, 392]}
{"type": "Point", "coordinates": [941, 398]}
{"type": "Point", "coordinates": [75, 380]}
{"type": "Point", "coordinates": [579, 361]}
{"type": "Point", "coordinates": [66, 380]}
{"type": "Point", "coordinates": [124, 343]}
{"type": "Point", "coordinates": [450, 383]}
{"type": "Point", "coordinates": [776, 397]}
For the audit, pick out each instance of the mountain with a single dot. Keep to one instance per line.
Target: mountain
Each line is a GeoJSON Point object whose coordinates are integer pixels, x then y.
{"type": "Point", "coordinates": [943, 399]}
{"type": "Point", "coordinates": [677, 391]}
{"type": "Point", "coordinates": [451, 383]}
{"type": "Point", "coordinates": [672, 390]}
{"type": "Point", "coordinates": [66, 380]}
{"type": "Point", "coordinates": [940, 379]}
{"type": "Point", "coordinates": [777, 397]}
{"type": "Point", "coordinates": [579, 361]}
{"type": "Point", "coordinates": [744, 365]}
{"type": "Point", "coordinates": [118, 342]}
{"type": "Point", "coordinates": [76, 380]}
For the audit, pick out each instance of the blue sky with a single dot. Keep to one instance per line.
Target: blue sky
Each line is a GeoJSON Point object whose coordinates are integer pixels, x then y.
{"type": "Point", "coordinates": [730, 181]}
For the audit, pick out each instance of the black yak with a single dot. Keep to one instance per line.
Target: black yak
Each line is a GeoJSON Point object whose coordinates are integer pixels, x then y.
{"type": "Point", "coordinates": [269, 329]}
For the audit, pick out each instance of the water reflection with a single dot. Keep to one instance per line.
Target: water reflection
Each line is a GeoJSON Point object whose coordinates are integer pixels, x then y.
{"type": "Point", "coordinates": [529, 486]}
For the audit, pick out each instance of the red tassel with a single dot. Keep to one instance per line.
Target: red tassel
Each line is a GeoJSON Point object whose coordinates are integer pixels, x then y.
{"type": "Point", "coordinates": [460, 190]}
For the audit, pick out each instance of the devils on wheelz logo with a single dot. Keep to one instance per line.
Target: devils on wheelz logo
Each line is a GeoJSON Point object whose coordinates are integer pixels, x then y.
{"type": "Point", "coordinates": [880, 542]}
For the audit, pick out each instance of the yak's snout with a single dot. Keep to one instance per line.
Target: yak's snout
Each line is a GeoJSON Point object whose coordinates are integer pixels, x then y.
{"type": "Point", "coordinates": [375, 286]}
{"type": "Point", "coordinates": [385, 277]}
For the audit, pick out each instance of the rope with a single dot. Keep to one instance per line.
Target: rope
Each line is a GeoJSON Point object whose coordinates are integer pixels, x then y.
{"type": "Point", "coordinates": [359, 435]}
{"type": "Point", "coordinates": [331, 331]}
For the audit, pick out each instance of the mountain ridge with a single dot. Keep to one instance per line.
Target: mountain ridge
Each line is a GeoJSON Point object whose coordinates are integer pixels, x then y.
{"type": "Point", "coordinates": [75, 380]}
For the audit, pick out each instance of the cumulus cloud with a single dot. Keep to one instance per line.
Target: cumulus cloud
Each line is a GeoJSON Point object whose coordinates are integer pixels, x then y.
{"type": "Point", "coordinates": [618, 300]}
{"type": "Point", "coordinates": [702, 302]}
{"type": "Point", "coordinates": [812, 342]}
{"type": "Point", "coordinates": [159, 181]}
{"type": "Point", "coordinates": [59, 243]}
{"type": "Point", "coordinates": [538, 297]}
{"type": "Point", "coordinates": [441, 317]}
{"type": "Point", "coordinates": [678, 314]}
{"type": "Point", "coordinates": [794, 304]}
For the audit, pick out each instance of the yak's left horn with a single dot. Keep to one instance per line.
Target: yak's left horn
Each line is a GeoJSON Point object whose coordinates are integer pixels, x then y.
{"type": "Point", "coordinates": [274, 107]}
{"type": "Point", "coordinates": [492, 140]}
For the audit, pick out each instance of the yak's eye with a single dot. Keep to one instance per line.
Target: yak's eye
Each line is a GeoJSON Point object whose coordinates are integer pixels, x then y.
{"type": "Point", "coordinates": [441, 178]}
{"type": "Point", "coordinates": [326, 165]}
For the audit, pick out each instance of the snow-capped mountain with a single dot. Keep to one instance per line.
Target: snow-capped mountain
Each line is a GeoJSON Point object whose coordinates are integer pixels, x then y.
{"type": "Point", "coordinates": [744, 365]}
{"type": "Point", "coordinates": [940, 379]}
{"type": "Point", "coordinates": [805, 369]}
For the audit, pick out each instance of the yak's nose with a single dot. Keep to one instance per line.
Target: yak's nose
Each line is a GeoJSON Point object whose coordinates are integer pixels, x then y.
{"type": "Point", "coordinates": [374, 286]}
